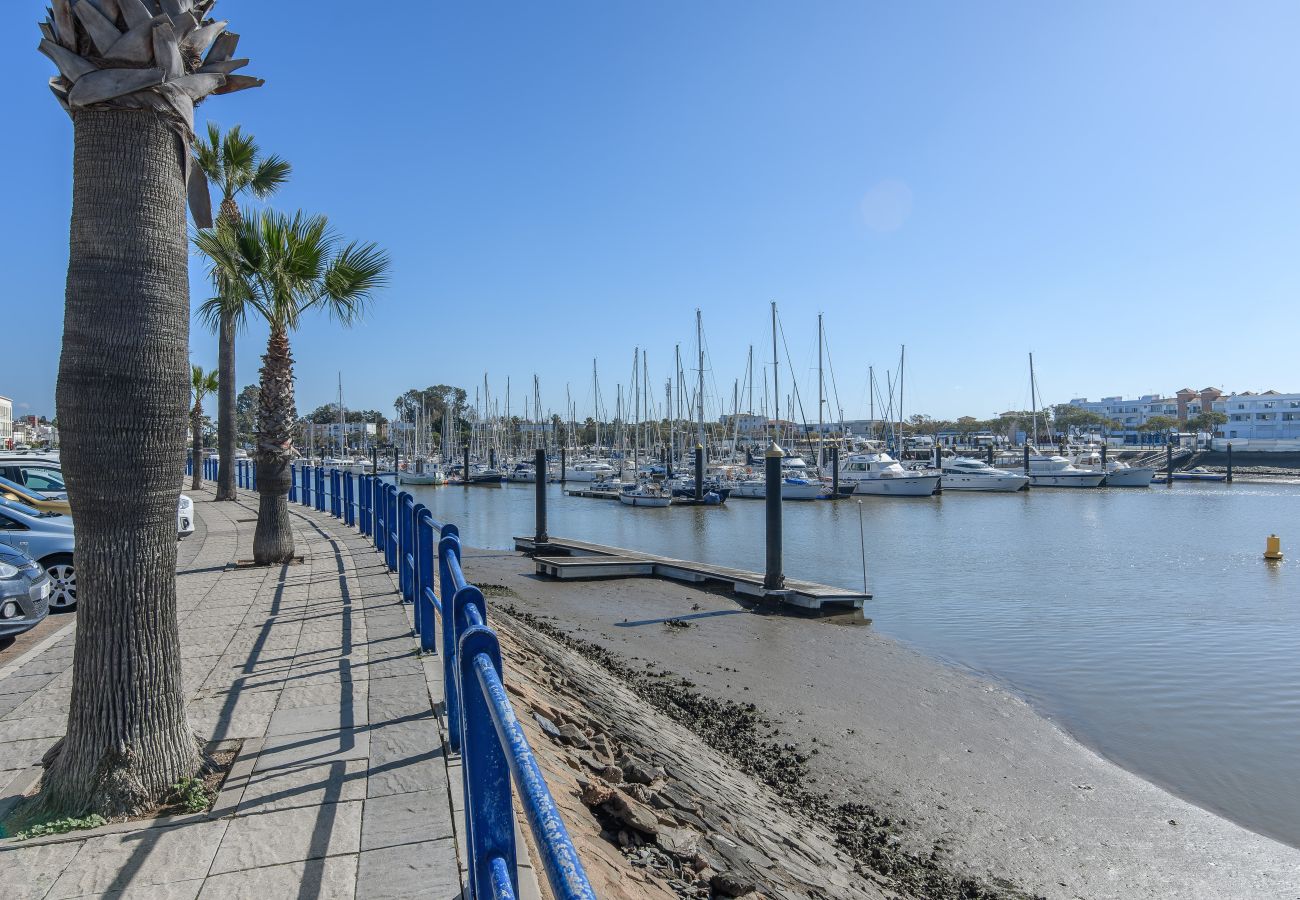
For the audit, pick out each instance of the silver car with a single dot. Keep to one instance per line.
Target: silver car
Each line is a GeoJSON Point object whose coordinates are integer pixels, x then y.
{"type": "Point", "coordinates": [45, 478]}
{"type": "Point", "coordinates": [24, 593]}
{"type": "Point", "coordinates": [46, 538]}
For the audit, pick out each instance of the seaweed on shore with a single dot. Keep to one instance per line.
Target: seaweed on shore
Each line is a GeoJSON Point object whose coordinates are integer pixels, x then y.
{"type": "Point", "coordinates": [745, 735]}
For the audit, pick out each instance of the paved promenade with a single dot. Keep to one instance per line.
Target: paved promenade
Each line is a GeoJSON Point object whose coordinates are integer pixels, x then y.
{"type": "Point", "coordinates": [342, 787]}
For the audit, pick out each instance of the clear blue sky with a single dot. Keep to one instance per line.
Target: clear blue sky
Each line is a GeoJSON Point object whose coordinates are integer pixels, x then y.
{"type": "Point", "coordinates": [1113, 186]}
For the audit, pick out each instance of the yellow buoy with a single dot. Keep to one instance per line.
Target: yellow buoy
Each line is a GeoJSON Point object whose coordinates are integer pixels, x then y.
{"type": "Point", "coordinates": [1273, 550]}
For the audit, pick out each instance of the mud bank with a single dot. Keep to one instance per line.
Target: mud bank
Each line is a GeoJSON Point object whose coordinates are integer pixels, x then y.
{"type": "Point", "coordinates": [966, 775]}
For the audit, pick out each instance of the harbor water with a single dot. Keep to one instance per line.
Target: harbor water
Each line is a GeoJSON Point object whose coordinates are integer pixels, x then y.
{"type": "Point", "coordinates": [1144, 621]}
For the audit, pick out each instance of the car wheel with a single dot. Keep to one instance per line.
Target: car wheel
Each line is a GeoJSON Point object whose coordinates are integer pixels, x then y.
{"type": "Point", "coordinates": [63, 578]}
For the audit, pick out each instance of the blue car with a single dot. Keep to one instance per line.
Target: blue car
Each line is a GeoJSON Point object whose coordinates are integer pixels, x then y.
{"type": "Point", "coordinates": [24, 593]}
{"type": "Point", "coordinates": [46, 538]}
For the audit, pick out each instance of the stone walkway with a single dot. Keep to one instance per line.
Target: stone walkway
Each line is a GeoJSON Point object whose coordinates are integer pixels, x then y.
{"type": "Point", "coordinates": [342, 787]}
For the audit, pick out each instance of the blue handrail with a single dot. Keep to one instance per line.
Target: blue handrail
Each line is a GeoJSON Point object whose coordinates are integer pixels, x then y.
{"type": "Point", "coordinates": [495, 753]}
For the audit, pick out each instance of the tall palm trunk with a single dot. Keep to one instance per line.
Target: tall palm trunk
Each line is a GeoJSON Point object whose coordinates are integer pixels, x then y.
{"type": "Point", "coordinates": [276, 412]}
{"type": "Point", "coordinates": [226, 411]}
{"type": "Point", "coordinates": [124, 362]}
{"type": "Point", "coordinates": [196, 451]}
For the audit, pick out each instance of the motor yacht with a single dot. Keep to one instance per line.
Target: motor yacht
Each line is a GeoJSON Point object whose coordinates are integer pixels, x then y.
{"type": "Point", "coordinates": [589, 470]}
{"type": "Point", "coordinates": [961, 473]}
{"type": "Point", "coordinates": [1118, 474]}
{"type": "Point", "coordinates": [1057, 471]}
{"type": "Point", "coordinates": [792, 488]}
{"type": "Point", "coordinates": [879, 473]}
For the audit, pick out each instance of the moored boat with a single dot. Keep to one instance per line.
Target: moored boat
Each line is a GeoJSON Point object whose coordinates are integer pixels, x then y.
{"type": "Point", "coordinates": [880, 474]}
{"type": "Point", "coordinates": [962, 473]}
{"type": "Point", "coordinates": [645, 494]}
{"type": "Point", "coordinates": [1199, 473]}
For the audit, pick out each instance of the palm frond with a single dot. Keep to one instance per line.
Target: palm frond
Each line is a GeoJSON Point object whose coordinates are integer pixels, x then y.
{"type": "Point", "coordinates": [269, 176]}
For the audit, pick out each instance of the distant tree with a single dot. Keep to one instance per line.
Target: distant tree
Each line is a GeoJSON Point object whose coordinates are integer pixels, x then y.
{"type": "Point", "coordinates": [1159, 425]}
{"type": "Point", "coordinates": [1208, 421]}
{"type": "Point", "coordinates": [201, 384]}
{"type": "Point", "coordinates": [246, 411]}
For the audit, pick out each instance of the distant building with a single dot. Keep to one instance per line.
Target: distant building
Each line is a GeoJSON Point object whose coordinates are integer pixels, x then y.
{"type": "Point", "coordinates": [6, 423]}
{"type": "Point", "coordinates": [1269, 421]}
{"type": "Point", "coordinates": [1129, 415]}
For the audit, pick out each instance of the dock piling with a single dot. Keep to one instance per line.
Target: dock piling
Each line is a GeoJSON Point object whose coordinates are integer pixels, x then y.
{"type": "Point", "coordinates": [1229, 462]}
{"type": "Point", "coordinates": [563, 465]}
{"type": "Point", "coordinates": [835, 472]}
{"type": "Point", "coordinates": [774, 579]}
{"type": "Point", "coordinates": [990, 459]}
{"type": "Point", "coordinates": [699, 473]}
{"type": "Point", "coordinates": [1169, 462]}
{"type": "Point", "coordinates": [539, 461]}
{"type": "Point", "coordinates": [465, 477]}
{"type": "Point", "coordinates": [1103, 457]}
{"type": "Point", "coordinates": [1026, 457]}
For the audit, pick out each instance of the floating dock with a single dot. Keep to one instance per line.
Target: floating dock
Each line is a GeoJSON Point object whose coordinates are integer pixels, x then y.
{"type": "Point", "coordinates": [565, 558]}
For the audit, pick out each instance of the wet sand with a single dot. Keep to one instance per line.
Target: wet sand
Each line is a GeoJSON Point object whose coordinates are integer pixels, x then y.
{"type": "Point", "coordinates": [983, 782]}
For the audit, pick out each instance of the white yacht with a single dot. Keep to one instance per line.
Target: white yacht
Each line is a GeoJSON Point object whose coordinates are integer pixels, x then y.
{"type": "Point", "coordinates": [792, 488]}
{"type": "Point", "coordinates": [880, 473]}
{"type": "Point", "coordinates": [1057, 471]}
{"type": "Point", "coordinates": [962, 473]}
{"type": "Point", "coordinates": [645, 494]}
{"type": "Point", "coordinates": [421, 471]}
{"type": "Point", "coordinates": [589, 470]}
{"type": "Point", "coordinates": [1118, 474]}
{"type": "Point", "coordinates": [522, 473]}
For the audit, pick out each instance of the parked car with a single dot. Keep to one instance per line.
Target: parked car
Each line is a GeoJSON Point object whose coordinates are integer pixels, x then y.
{"type": "Point", "coordinates": [47, 538]}
{"type": "Point", "coordinates": [24, 592]}
{"type": "Point", "coordinates": [42, 475]}
{"type": "Point", "coordinates": [40, 484]}
{"type": "Point", "coordinates": [12, 490]}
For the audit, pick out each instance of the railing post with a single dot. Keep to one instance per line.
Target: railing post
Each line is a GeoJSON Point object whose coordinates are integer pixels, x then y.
{"type": "Point", "coordinates": [320, 489]}
{"type": "Point", "coordinates": [349, 495]}
{"type": "Point", "coordinates": [488, 802]}
{"type": "Point", "coordinates": [391, 518]}
{"type": "Point", "coordinates": [377, 513]}
{"type": "Point", "coordinates": [425, 613]}
{"type": "Point", "coordinates": [363, 503]}
{"type": "Point", "coordinates": [405, 549]}
{"type": "Point", "coordinates": [449, 546]}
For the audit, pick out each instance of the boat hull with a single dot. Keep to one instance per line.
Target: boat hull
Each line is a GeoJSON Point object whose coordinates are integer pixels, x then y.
{"type": "Point", "coordinates": [758, 491]}
{"type": "Point", "coordinates": [995, 483]}
{"type": "Point", "coordinates": [653, 502]}
{"type": "Point", "coordinates": [410, 478]}
{"type": "Point", "coordinates": [1067, 479]}
{"type": "Point", "coordinates": [1196, 476]}
{"type": "Point", "coordinates": [1137, 476]}
{"type": "Point", "coordinates": [911, 486]}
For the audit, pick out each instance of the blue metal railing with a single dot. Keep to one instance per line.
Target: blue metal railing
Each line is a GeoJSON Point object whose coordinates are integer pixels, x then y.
{"type": "Point", "coordinates": [482, 723]}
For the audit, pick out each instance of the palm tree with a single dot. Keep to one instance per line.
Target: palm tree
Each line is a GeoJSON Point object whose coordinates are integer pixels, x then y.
{"type": "Point", "coordinates": [285, 267]}
{"type": "Point", "coordinates": [129, 80]}
{"type": "Point", "coordinates": [201, 384]}
{"type": "Point", "coordinates": [234, 163]}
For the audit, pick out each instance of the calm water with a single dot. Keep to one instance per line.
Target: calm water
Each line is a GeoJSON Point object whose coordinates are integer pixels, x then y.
{"type": "Point", "coordinates": [1145, 621]}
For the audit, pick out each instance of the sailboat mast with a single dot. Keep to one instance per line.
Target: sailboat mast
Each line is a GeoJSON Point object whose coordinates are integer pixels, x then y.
{"type": "Point", "coordinates": [699, 399]}
{"type": "Point", "coordinates": [776, 384]}
{"type": "Point", "coordinates": [1033, 399]}
{"type": "Point", "coordinates": [871, 399]}
{"type": "Point", "coordinates": [902, 356]}
{"type": "Point", "coordinates": [595, 402]}
{"type": "Point", "coordinates": [341, 419]}
{"type": "Point", "coordinates": [821, 390]}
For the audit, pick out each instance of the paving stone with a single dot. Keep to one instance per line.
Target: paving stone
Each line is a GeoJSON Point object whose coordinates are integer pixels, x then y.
{"type": "Point", "coordinates": [313, 748]}
{"type": "Point", "coordinates": [426, 870]}
{"type": "Point", "coordinates": [28, 727]}
{"type": "Point", "coordinates": [288, 836]}
{"type": "Point", "coordinates": [135, 859]}
{"type": "Point", "coordinates": [295, 696]}
{"type": "Point", "coordinates": [30, 872]}
{"type": "Point", "coordinates": [405, 819]}
{"type": "Point", "coordinates": [334, 782]}
{"type": "Point", "coordinates": [301, 719]}
{"type": "Point", "coordinates": [406, 757]}
{"type": "Point", "coordinates": [320, 879]}
{"type": "Point", "coordinates": [176, 890]}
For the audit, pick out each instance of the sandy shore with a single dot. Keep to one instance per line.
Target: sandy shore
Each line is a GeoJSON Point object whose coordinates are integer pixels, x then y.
{"type": "Point", "coordinates": [966, 774]}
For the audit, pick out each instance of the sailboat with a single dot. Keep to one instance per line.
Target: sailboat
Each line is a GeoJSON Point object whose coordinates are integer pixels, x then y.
{"type": "Point", "coordinates": [1052, 471]}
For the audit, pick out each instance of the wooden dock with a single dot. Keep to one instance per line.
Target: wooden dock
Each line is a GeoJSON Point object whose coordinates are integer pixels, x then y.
{"type": "Point", "coordinates": [566, 558]}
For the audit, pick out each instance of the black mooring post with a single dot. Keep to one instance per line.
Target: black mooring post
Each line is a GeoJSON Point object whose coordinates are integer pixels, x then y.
{"type": "Point", "coordinates": [1026, 458]}
{"type": "Point", "coordinates": [1103, 457]}
{"type": "Point", "coordinates": [395, 460]}
{"type": "Point", "coordinates": [774, 580]}
{"type": "Point", "coordinates": [990, 454]}
{"type": "Point", "coordinates": [539, 462]}
{"type": "Point", "coordinates": [465, 476]}
{"type": "Point", "coordinates": [374, 461]}
{"type": "Point", "coordinates": [563, 465]}
{"type": "Point", "coordinates": [699, 473]}
{"type": "Point", "coordinates": [668, 463]}
{"type": "Point", "coordinates": [1230, 462]}
{"type": "Point", "coordinates": [835, 472]}
{"type": "Point", "coordinates": [492, 457]}
{"type": "Point", "coordinates": [1169, 460]}
{"type": "Point", "coordinates": [938, 457]}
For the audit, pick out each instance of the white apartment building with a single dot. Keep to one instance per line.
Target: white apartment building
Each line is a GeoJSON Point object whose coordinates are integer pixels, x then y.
{"type": "Point", "coordinates": [1131, 413]}
{"type": "Point", "coordinates": [6, 422]}
{"type": "Point", "coordinates": [1265, 421]}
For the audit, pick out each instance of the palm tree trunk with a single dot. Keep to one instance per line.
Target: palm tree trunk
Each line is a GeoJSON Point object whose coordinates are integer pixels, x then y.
{"type": "Point", "coordinates": [196, 453]}
{"type": "Point", "coordinates": [226, 411]}
{"type": "Point", "coordinates": [122, 396]}
{"type": "Point", "coordinates": [273, 540]}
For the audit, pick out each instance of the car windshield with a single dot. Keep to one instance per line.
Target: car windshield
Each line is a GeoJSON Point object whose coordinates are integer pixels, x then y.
{"type": "Point", "coordinates": [42, 479]}
{"type": "Point", "coordinates": [27, 510]}
{"type": "Point", "coordinates": [15, 487]}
